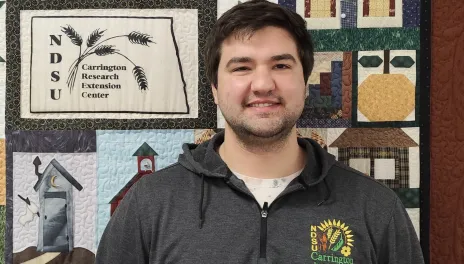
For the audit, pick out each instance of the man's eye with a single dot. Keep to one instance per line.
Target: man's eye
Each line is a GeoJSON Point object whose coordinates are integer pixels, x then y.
{"type": "Point", "coordinates": [240, 69]}
{"type": "Point", "coordinates": [282, 66]}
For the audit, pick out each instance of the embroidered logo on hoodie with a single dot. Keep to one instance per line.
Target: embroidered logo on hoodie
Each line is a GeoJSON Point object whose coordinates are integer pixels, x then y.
{"type": "Point", "coordinates": [331, 242]}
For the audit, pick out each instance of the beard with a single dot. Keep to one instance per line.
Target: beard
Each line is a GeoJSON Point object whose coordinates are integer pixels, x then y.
{"type": "Point", "coordinates": [264, 132]}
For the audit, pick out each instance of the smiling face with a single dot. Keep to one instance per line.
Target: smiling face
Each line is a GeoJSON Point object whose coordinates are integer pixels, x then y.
{"type": "Point", "coordinates": [261, 87]}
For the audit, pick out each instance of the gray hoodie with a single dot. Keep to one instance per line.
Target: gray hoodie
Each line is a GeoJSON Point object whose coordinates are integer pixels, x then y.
{"type": "Point", "coordinates": [197, 211]}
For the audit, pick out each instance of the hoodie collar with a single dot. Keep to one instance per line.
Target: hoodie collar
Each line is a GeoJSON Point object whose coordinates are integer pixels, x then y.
{"type": "Point", "coordinates": [204, 159]}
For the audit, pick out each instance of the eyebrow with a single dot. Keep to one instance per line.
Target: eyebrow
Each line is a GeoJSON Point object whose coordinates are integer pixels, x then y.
{"type": "Point", "coordinates": [285, 56]}
{"type": "Point", "coordinates": [280, 57]}
{"type": "Point", "coordinates": [238, 60]}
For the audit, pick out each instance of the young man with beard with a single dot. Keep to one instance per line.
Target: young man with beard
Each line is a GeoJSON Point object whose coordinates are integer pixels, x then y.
{"type": "Point", "coordinates": [256, 193]}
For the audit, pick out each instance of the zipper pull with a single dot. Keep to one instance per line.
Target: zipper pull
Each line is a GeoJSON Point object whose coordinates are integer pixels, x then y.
{"type": "Point", "coordinates": [264, 211]}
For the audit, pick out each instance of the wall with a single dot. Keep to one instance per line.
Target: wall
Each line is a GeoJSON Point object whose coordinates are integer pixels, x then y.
{"type": "Point", "coordinates": [447, 133]}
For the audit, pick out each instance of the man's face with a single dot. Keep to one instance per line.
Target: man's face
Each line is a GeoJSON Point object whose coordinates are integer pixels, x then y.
{"type": "Point", "coordinates": [261, 88]}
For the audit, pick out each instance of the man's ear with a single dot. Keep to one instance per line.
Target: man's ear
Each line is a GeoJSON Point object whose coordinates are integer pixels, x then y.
{"type": "Point", "coordinates": [214, 90]}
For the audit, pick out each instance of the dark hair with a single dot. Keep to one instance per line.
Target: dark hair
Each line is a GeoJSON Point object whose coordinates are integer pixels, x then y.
{"type": "Point", "coordinates": [246, 18]}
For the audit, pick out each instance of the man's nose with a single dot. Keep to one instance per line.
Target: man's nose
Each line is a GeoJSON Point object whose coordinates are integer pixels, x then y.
{"type": "Point", "coordinates": [263, 81]}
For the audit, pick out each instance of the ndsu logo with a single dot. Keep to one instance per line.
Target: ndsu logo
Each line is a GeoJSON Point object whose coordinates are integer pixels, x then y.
{"type": "Point", "coordinates": [332, 241]}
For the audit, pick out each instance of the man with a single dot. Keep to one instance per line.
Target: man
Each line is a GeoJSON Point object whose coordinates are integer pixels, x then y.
{"type": "Point", "coordinates": [256, 193]}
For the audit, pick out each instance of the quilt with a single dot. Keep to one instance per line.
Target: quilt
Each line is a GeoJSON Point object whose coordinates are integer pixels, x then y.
{"type": "Point", "coordinates": [96, 94]}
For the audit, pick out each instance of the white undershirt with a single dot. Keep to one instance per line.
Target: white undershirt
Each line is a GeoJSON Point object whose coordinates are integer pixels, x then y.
{"type": "Point", "coordinates": [266, 190]}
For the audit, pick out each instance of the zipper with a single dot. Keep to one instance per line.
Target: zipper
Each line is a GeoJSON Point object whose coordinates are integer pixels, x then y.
{"type": "Point", "coordinates": [263, 235]}
{"type": "Point", "coordinates": [264, 214]}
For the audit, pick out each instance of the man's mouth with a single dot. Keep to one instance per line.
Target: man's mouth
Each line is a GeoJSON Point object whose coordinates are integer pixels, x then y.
{"type": "Point", "coordinates": [262, 104]}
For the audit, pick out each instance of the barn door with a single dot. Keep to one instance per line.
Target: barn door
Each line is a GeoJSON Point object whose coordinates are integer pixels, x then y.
{"type": "Point", "coordinates": [55, 223]}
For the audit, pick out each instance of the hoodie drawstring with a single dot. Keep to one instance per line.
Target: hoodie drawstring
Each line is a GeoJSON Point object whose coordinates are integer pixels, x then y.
{"type": "Point", "coordinates": [327, 196]}
{"type": "Point", "coordinates": [202, 216]}
{"type": "Point", "coordinates": [202, 195]}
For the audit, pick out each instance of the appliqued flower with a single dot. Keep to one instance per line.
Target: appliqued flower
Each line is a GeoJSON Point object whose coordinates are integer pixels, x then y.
{"type": "Point", "coordinates": [346, 251]}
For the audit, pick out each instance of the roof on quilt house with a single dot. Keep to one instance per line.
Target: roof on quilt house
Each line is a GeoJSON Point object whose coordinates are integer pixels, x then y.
{"type": "Point", "coordinates": [312, 134]}
{"type": "Point", "coordinates": [62, 171]}
{"type": "Point", "coordinates": [373, 137]}
{"type": "Point", "coordinates": [128, 185]}
{"type": "Point", "coordinates": [145, 150]}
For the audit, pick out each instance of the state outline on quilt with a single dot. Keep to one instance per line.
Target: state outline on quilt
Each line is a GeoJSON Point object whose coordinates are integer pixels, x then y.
{"type": "Point", "coordinates": [176, 47]}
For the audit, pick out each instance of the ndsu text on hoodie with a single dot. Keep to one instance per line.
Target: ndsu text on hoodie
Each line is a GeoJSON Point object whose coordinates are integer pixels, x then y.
{"type": "Point", "coordinates": [197, 211]}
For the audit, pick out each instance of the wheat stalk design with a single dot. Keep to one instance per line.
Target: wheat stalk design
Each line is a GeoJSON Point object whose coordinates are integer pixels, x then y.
{"type": "Point", "coordinates": [134, 37]}
{"type": "Point", "coordinates": [76, 39]}
{"type": "Point", "coordinates": [329, 233]}
{"type": "Point", "coordinates": [335, 236]}
{"type": "Point", "coordinates": [140, 77]}
{"type": "Point", "coordinates": [94, 37]}
{"type": "Point", "coordinates": [139, 38]}
{"type": "Point", "coordinates": [103, 50]}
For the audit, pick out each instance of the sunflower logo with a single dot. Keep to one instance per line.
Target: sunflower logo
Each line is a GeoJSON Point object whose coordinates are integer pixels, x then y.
{"type": "Point", "coordinates": [335, 236]}
{"type": "Point", "coordinates": [346, 251]}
